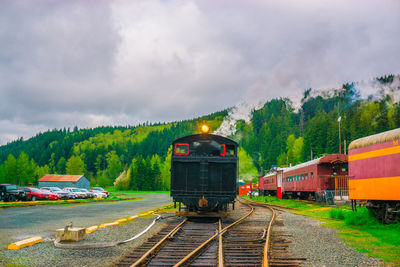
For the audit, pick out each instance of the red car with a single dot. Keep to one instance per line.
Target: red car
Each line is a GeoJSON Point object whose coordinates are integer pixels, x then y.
{"type": "Point", "coordinates": [100, 189]}
{"type": "Point", "coordinates": [36, 194]}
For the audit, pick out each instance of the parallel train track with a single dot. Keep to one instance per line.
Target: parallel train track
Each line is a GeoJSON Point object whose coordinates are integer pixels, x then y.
{"type": "Point", "coordinates": [230, 242]}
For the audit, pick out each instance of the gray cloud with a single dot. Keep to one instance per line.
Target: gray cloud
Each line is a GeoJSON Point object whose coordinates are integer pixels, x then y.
{"type": "Point", "coordinates": [88, 63]}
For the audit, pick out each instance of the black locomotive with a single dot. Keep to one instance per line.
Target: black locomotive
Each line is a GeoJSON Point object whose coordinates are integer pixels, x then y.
{"type": "Point", "coordinates": [204, 172]}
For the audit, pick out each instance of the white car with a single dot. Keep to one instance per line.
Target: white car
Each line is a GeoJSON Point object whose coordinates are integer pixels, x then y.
{"type": "Point", "coordinates": [98, 194]}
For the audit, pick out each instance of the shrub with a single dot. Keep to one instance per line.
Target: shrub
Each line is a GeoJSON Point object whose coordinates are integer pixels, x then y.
{"type": "Point", "coordinates": [361, 217]}
{"type": "Point", "coordinates": [336, 214]}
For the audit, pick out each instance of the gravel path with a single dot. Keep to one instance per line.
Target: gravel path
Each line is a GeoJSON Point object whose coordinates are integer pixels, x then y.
{"type": "Point", "coordinates": [321, 245]}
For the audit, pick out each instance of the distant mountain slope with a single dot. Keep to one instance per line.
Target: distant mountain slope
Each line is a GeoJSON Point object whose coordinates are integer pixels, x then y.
{"type": "Point", "coordinates": [92, 151]}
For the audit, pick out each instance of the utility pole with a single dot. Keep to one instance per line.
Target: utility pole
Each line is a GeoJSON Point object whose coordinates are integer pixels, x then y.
{"type": "Point", "coordinates": [339, 119]}
{"type": "Point", "coordinates": [340, 141]}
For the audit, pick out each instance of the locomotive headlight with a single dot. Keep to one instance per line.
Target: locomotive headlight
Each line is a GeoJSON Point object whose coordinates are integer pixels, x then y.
{"type": "Point", "coordinates": [204, 128]}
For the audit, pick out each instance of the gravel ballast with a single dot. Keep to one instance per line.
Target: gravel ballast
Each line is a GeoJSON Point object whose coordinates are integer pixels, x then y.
{"type": "Point", "coordinates": [321, 245]}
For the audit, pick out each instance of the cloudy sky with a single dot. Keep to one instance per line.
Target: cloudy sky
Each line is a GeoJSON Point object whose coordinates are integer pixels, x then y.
{"type": "Point", "coordinates": [90, 63]}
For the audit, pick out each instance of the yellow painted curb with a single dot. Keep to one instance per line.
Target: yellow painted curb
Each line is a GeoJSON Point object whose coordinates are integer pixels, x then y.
{"type": "Point", "coordinates": [146, 213]}
{"type": "Point", "coordinates": [121, 220]}
{"type": "Point", "coordinates": [91, 229]}
{"type": "Point", "coordinates": [25, 243]}
{"type": "Point", "coordinates": [104, 225]}
{"type": "Point", "coordinates": [133, 217]}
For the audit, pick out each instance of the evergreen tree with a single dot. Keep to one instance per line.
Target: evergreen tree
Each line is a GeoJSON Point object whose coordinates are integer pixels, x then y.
{"type": "Point", "coordinates": [75, 165]}
{"type": "Point", "coordinates": [22, 169]}
{"type": "Point", "coordinates": [61, 165]}
{"type": "Point", "coordinates": [10, 169]}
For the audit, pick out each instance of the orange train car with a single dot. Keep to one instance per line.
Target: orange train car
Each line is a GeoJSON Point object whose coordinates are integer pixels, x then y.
{"type": "Point", "coordinates": [245, 188]}
{"type": "Point", "coordinates": [374, 173]}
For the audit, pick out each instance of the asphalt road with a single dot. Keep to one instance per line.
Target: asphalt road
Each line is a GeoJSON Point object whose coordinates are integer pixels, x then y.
{"type": "Point", "coordinates": [24, 222]}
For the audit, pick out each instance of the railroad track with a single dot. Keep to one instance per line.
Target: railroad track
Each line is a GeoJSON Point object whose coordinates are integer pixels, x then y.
{"type": "Point", "coordinates": [230, 242]}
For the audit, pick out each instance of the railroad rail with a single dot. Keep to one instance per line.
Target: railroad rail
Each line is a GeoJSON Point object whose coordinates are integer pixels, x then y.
{"type": "Point", "coordinates": [276, 252]}
{"type": "Point", "coordinates": [240, 242]}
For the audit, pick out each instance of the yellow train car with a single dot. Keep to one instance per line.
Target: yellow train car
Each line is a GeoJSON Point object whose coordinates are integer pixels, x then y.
{"type": "Point", "coordinates": [374, 173]}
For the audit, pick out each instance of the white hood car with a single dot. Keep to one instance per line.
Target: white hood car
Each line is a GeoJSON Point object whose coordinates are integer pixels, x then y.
{"type": "Point", "coordinates": [98, 194]}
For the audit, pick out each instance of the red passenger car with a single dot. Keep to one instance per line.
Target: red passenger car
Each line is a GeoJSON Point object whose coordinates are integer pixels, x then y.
{"type": "Point", "coordinates": [267, 184]}
{"type": "Point", "coordinates": [305, 179]}
{"type": "Point", "coordinates": [320, 174]}
{"type": "Point", "coordinates": [271, 183]}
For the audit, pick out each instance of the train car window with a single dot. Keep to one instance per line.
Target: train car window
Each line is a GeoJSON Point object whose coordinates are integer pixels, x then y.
{"type": "Point", "coordinates": [230, 150]}
{"type": "Point", "coordinates": [311, 175]}
{"type": "Point", "coordinates": [206, 147]}
{"type": "Point", "coordinates": [306, 176]}
{"type": "Point", "coordinates": [181, 149]}
{"type": "Point", "coordinates": [223, 150]}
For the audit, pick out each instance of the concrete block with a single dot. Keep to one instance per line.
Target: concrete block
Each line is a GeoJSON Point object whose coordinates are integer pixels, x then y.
{"type": "Point", "coordinates": [91, 229]}
{"type": "Point", "coordinates": [26, 242]}
{"type": "Point", "coordinates": [104, 225]}
{"type": "Point", "coordinates": [73, 234]}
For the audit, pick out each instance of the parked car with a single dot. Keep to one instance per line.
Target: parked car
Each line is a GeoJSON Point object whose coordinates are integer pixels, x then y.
{"type": "Point", "coordinates": [51, 195]}
{"type": "Point", "coordinates": [87, 192]}
{"type": "Point", "coordinates": [98, 194]}
{"type": "Point", "coordinates": [36, 194]}
{"type": "Point", "coordinates": [76, 191]}
{"type": "Point", "coordinates": [10, 192]}
{"type": "Point", "coordinates": [100, 189]}
{"type": "Point", "coordinates": [63, 194]}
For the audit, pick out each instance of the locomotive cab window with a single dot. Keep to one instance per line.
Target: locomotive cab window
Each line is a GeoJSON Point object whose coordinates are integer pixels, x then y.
{"type": "Point", "coordinates": [230, 150]}
{"type": "Point", "coordinates": [181, 149]}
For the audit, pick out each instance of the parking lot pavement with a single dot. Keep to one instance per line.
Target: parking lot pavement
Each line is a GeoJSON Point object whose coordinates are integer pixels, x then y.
{"type": "Point", "coordinates": [20, 223]}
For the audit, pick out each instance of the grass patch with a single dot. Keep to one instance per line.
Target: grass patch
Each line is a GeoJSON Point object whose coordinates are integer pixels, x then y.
{"type": "Point", "coordinates": [360, 229]}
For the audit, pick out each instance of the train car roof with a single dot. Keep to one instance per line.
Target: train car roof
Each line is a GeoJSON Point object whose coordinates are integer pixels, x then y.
{"type": "Point", "coordinates": [269, 174]}
{"type": "Point", "coordinates": [195, 137]}
{"type": "Point", "coordinates": [375, 139]}
{"type": "Point", "coordinates": [324, 159]}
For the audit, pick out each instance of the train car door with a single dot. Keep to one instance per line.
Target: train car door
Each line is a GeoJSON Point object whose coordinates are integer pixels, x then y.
{"type": "Point", "coordinates": [279, 185]}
